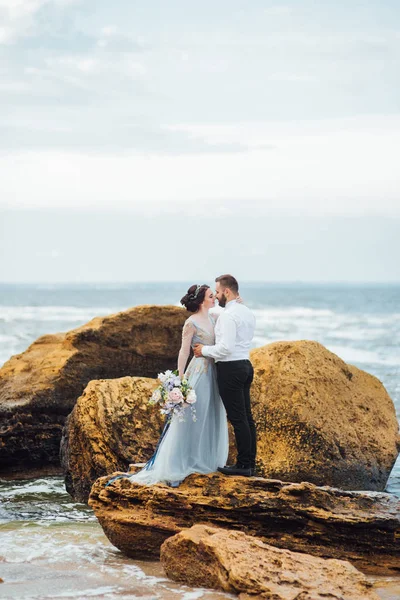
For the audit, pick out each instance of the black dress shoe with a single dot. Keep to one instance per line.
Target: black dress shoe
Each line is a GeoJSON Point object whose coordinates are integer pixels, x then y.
{"type": "Point", "coordinates": [235, 470]}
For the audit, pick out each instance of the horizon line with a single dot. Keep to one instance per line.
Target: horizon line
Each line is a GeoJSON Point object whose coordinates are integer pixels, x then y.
{"type": "Point", "coordinates": [185, 281]}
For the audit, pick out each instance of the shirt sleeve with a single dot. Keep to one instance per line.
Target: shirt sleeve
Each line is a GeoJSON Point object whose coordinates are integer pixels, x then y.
{"type": "Point", "coordinates": [187, 336]}
{"type": "Point", "coordinates": [227, 341]}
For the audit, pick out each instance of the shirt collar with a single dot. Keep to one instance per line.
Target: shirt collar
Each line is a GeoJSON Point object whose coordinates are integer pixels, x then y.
{"type": "Point", "coordinates": [230, 303]}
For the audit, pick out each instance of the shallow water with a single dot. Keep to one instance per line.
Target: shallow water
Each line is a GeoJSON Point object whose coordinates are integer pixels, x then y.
{"type": "Point", "coordinates": [52, 547]}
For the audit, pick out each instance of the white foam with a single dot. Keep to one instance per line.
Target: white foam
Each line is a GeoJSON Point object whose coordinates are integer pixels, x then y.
{"type": "Point", "coordinates": [54, 313]}
{"type": "Point", "coordinates": [291, 312]}
{"type": "Point", "coordinates": [34, 486]}
{"type": "Point", "coordinates": [7, 338]}
{"type": "Point", "coordinates": [358, 355]}
{"type": "Point", "coordinates": [358, 334]}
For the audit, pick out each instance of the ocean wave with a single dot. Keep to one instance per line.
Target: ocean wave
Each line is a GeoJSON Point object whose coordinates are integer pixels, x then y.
{"type": "Point", "coordinates": [43, 501]}
{"type": "Point", "coordinates": [88, 564]}
{"type": "Point", "coordinates": [358, 355]}
{"type": "Point", "coordinates": [329, 318]}
{"type": "Point", "coordinates": [36, 487]}
{"type": "Point", "coordinates": [291, 312]}
{"type": "Point", "coordinates": [358, 334]}
{"type": "Point", "coordinates": [9, 314]}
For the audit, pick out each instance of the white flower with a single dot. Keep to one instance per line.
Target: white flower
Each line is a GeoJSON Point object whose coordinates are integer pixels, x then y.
{"type": "Point", "coordinates": [156, 396]}
{"type": "Point", "coordinates": [191, 397]}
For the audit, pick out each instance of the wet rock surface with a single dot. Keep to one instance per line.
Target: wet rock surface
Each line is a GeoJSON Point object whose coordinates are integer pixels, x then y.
{"type": "Point", "coordinates": [363, 528]}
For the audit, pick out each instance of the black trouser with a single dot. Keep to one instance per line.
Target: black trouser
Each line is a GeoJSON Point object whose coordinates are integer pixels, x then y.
{"type": "Point", "coordinates": [234, 381]}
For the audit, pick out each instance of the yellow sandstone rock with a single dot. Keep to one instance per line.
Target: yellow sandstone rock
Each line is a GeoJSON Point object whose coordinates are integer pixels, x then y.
{"type": "Point", "coordinates": [361, 527]}
{"type": "Point", "coordinates": [39, 387]}
{"type": "Point", "coordinates": [111, 425]}
{"type": "Point", "coordinates": [232, 561]}
{"type": "Point", "coordinates": [320, 419]}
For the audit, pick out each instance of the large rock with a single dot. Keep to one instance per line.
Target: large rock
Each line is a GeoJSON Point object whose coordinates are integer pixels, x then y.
{"type": "Point", "coordinates": [39, 387]}
{"type": "Point", "coordinates": [361, 527]}
{"type": "Point", "coordinates": [241, 564]}
{"type": "Point", "coordinates": [111, 425]}
{"type": "Point", "coordinates": [321, 420]}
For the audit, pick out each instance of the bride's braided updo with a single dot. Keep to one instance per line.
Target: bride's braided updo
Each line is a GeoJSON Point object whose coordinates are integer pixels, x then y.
{"type": "Point", "coordinates": [194, 297]}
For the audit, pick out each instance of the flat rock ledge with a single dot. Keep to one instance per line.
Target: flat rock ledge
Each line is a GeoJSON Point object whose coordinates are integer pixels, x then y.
{"type": "Point", "coordinates": [234, 562]}
{"type": "Point", "coordinates": [361, 527]}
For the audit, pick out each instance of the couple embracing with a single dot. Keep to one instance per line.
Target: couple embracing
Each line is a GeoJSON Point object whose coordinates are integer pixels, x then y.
{"type": "Point", "coordinates": [221, 373]}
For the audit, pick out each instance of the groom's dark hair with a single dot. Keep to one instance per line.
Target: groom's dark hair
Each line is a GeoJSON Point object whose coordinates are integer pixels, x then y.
{"type": "Point", "coordinates": [228, 281]}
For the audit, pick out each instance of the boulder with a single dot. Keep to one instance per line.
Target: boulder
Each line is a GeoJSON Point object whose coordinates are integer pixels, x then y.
{"type": "Point", "coordinates": [363, 528]}
{"type": "Point", "coordinates": [111, 425]}
{"type": "Point", "coordinates": [321, 420]}
{"type": "Point", "coordinates": [39, 387]}
{"type": "Point", "coordinates": [237, 563]}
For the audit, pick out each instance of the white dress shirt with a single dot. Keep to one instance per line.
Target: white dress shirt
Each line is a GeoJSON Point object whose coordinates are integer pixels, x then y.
{"type": "Point", "coordinates": [234, 332]}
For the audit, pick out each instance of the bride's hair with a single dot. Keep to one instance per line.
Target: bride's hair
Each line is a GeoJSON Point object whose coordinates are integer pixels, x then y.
{"type": "Point", "coordinates": [194, 297]}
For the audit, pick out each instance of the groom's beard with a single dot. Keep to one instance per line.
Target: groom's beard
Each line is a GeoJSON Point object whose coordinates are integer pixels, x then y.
{"type": "Point", "coordinates": [222, 301]}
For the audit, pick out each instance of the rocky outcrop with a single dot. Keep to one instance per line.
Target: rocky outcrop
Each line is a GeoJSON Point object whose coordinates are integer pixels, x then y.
{"type": "Point", "coordinates": [39, 387]}
{"type": "Point", "coordinates": [318, 420]}
{"type": "Point", "coordinates": [237, 563]}
{"type": "Point", "coordinates": [111, 425]}
{"type": "Point", "coordinates": [363, 528]}
{"type": "Point", "coordinates": [321, 420]}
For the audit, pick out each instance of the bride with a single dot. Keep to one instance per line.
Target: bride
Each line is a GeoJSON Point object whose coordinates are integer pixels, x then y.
{"type": "Point", "coordinates": [199, 446]}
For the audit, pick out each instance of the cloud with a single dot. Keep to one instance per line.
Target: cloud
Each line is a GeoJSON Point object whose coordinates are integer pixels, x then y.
{"type": "Point", "coordinates": [80, 63]}
{"type": "Point", "coordinates": [248, 97]}
{"type": "Point", "coordinates": [82, 133]}
{"type": "Point", "coordinates": [292, 77]}
{"type": "Point", "coordinates": [338, 167]}
{"type": "Point", "coordinates": [19, 16]}
{"type": "Point", "coordinates": [108, 31]}
{"type": "Point", "coordinates": [278, 10]}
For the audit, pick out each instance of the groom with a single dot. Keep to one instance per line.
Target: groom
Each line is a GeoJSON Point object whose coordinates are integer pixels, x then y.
{"type": "Point", "coordinates": [233, 334]}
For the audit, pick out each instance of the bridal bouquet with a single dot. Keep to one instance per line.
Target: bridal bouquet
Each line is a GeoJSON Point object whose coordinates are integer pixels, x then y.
{"type": "Point", "coordinates": [174, 395]}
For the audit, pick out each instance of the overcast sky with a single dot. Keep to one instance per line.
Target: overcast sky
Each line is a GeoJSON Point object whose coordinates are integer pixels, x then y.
{"type": "Point", "coordinates": [147, 140]}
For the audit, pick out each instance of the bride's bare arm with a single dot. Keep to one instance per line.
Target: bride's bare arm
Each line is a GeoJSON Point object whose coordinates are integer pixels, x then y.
{"type": "Point", "coordinates": [187, 335]}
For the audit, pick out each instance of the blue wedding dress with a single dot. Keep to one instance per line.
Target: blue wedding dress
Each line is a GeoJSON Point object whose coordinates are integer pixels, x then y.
{"type": "Point", "coordinates": [199, 446]}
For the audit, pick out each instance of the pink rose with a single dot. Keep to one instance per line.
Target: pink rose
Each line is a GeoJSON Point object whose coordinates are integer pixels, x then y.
{"type": "Point", "coordinates": [175, 395]}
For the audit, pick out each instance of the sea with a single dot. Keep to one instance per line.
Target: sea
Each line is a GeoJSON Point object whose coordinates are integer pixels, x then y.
{"type": "Point", "coordinates": [52, 547]}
